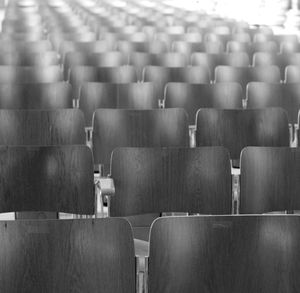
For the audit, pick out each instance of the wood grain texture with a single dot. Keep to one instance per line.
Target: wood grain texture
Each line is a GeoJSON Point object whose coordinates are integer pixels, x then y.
{"type": "Point", "coordinates": [58, 179]}
{"type": "Point", "coordinates": [236, 129]}
{"type": "Point", "coordinates": [30, 74]}
{"type": "Point", "coordinates": [286, 96]}
{"type": "Point", "coordinates": [41, 127]}
{"type": "Point", "coordinates": [269, 179]}
{"type": "Point", "coordinates": [225, 254]}
{"type": "Point", "coordinates": [155, 180]}
{"type": "Point", "coordinates": [244, 75]}
{"type": "Point", "coordinates": [192, 97]}
{"type": "Point", "coordinates": [67, 256]}
{"type": "Point", "coordinates": [36, 96]}
{"type": "Point", "coordinates": [137, 128]}
{"type": "Point", "coordinates": [160, 76]}
{"type": "Point", "coordinates": [96, 95]}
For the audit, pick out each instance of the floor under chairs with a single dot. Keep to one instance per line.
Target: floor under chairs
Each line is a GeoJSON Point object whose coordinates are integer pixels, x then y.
{"type": "Point", "coordinates": [113, 128]}
{"type": "Point", "coordinates": [160, 76]}
{"type": "Point", "coordinates": [236, 129]}
{"type": "Point", "coordinates": [96, 95]}
{"type": "Point", "coordinates": [224, 254]}
{"type": "Point", "coordinates": [67, 256]}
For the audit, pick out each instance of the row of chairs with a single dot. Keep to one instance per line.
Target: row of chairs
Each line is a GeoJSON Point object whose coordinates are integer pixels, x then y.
{"type": "Point", "coordinates": [187, 254]}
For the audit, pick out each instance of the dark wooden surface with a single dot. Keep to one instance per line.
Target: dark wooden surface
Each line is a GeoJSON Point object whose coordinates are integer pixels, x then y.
{"type": "Point", "coordinates": [192, 97]}
{"type": "Point", "coordinates": [154, 180]}
{"type": "Point", "coordinates": [36, 96]}
{"type": "Point", "coordinates": [220, 254]}
{"type": "Point", "coordinates": [211, 61]}
{"type": "Point", "coordinates": [243, 75]}
{"type": "Point", "coordinates": [41, 127]}
{"type": "Point", "coordinates": [286, 96]}
{"type": "Point", "coordinates": [56, 179]}
{"type": "Point", "coordinates": [67, 256]}
{"type": "Point", "coordinates": [30, 74]}
{"type": "Point", "coordinates": [137, 128]}
{"type": "Point", "coordinates": [162, 75]}
{"type": "Point", "coordinates": [270, 179]}
{"type": "Point", "coordinates": [236, 129]}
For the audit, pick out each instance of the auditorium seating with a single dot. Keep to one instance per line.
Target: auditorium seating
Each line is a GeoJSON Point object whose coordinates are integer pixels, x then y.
{"type": "Point", "coordinates": [224, 254]}
{"type": "Point", "coordinates": [67, 256]}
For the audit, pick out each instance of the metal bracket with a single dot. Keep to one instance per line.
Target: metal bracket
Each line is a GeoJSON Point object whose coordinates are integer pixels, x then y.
{"type": "Point", "coordinates": [235, 172]}
{"type": "Point", "coordinates": [142, 264]}
{"type": "Point", "coordinates": [88, 136]}
{"type": "Point", "coordinates": [192, 135]}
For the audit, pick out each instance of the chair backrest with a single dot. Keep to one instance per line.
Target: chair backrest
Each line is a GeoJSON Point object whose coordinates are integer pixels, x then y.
{"type": "Point", "coordinates": [94, 95]}
{"type": "Point", "coordinates": [286, 96]}
{"type": "Point", "coordinates": [98, 252]}
{"type": "Point", "coordinates": [224, 254]}
{"type": "Point", "coordinates": [236, 129]}
{"type": "Point", "coordinates": [114, 128]}
{"type": "Point", "coordinates": [25, 47]}
{"type": "Point", "coordinates": [155, 180]}
{"type": "Point", "coordinates": [211, 61]}
{"type": "Point", "coordinates": [48, 178]}
{"type": "Point", "coordinates": [269, 179]}
{"type": "Point", "coordinates": [30, 74]}
{"type": "Point", "coordinates": [160, 76]}
{"type": "Point", "coordinates": [244, 75]}
{"type": "Point", "coordinates": [192, 97]}
{"type": "Point", "coordinates": [41, 127]}
{"type": "Point", "coordinates": [292, 74]}
{"type": "Point", "coordinates": [36, 96]}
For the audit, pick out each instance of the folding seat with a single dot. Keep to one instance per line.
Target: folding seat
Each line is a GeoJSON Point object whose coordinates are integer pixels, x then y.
{"type": "Point", "coordinates": [251, 48]}
{"type": "Point", "coordinates": [213, 37]}
{"type": "Point", "coordinates": [170, 180]}
{"type": "Point", "coordinates": [36, 96]}
{"type": "Point", "coordinates": [81, 74]}
{"type": "Point", "coordinates": [244, 75]}
{"type": "Point", "coordinates": [188, 48]}
{"type": "Point", "coordinates": [171, 59]}
{"type": "Point", "coordinates": [192, 97]}
{"type": "Point", "coordinates": [25, 47]}
{"type": "Point", "coordinates": [153, 47]}
{"type": "Point", "coordinates": [114, 128]}
{"type": "Point", "coordinates": [277, 38]}
{"type": "Point", "coordinates": [292, 74]}
{"type": "Point", "coordinates": [289, 47]}
{"type": "Point", "coordinates": [168, 38]}
{"type": "Point", "coordinates": [41, 127]}
{"type": "Point", "coordinates": [286, 96]}
{"type": "Point", "coordinates": [224, 254]}
{"type": "Point", "coordinates": [95, 95]}
{"type": "Point", "coordinates": [46, 179]}
{"type": "Point", "coordinates": [280, 60]}
{"type": "Point", "coordinates": [54, 251]}
{"type": "Point", "coordinates": [241, 37]}
{"type": "Point", "coordinates": [211, 61]}
{"type": "Point", "coordinates": [236, 129]}
{"type": "Point", "coordinates": [269, 180]}
{"type": "Point", "coordinates": [30, 74]}
{"type": "Point", "coordinates": [160, 76]}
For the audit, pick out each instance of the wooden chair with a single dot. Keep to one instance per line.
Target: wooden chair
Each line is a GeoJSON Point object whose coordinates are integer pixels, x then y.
{"type": "Point", "coordinates": [67, 256]}
{"type": "Point", "coordinates": [224, 254]}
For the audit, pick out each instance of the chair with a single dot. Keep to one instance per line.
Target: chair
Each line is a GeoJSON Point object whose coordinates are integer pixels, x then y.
{"type": "Point", "coordinates": [236, 129]}
{"type": "Point", "coordinates": [244, 75]}
{"type": "Point", "coordinates": [224, 254]}
{"type": "Point", "coordinates": [82, 74]}
{"type": "Point", "coordinates": [269, 180]}
{"type": "Point", "coordinates": [170, 180]}
{"type": "Point", "coordinates": [286, 96]}
{"type": "Point", "coordinates": [41, 127]}
{"type": "Point", "coordinates": [153, 47]}
{"type": "Point", "coordinates": [280, 60]}
{"type": "Point", "coordinates": [36, 96]}
{"type": "Point", "coordinates": [211, 61]}
{"type": "Point", "coordinates": [30, 74]}
{"type": "Point", "coordinates": [94, 95]}
{"type": "Point", "coordinates": [289, 47]}
{"type": "Point", "coordinates": [160, 76]}
{"type": "Point", "coordinates": [46, 179]}
{"type": "Point", "coordinates": [98, 252]}
{"type": "Point", "coordinates": [114, 128]}
{"type": "Point", "coordinates": [192, 97]}
{"type": "Point", "coordinates": [292, 74]}
{"type": "Point", "coordinates": [25, 47]}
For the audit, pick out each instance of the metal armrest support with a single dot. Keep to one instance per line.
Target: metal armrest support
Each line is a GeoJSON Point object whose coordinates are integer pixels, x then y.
{"type": "Point", "coordinates": [161, 103]}
{"type": "Point", "coordinates": [192, 135]}
{"type": "Point", "coordinates": [88, 135]}
{"type": "Point", "coordinates": [235, 172]}
{"type": "Point", "coordinates": [104, 189]}
{"type": "Point", "coordinates": [295, 141]}
{"type": "Point", "coordinates": [142, 274]}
